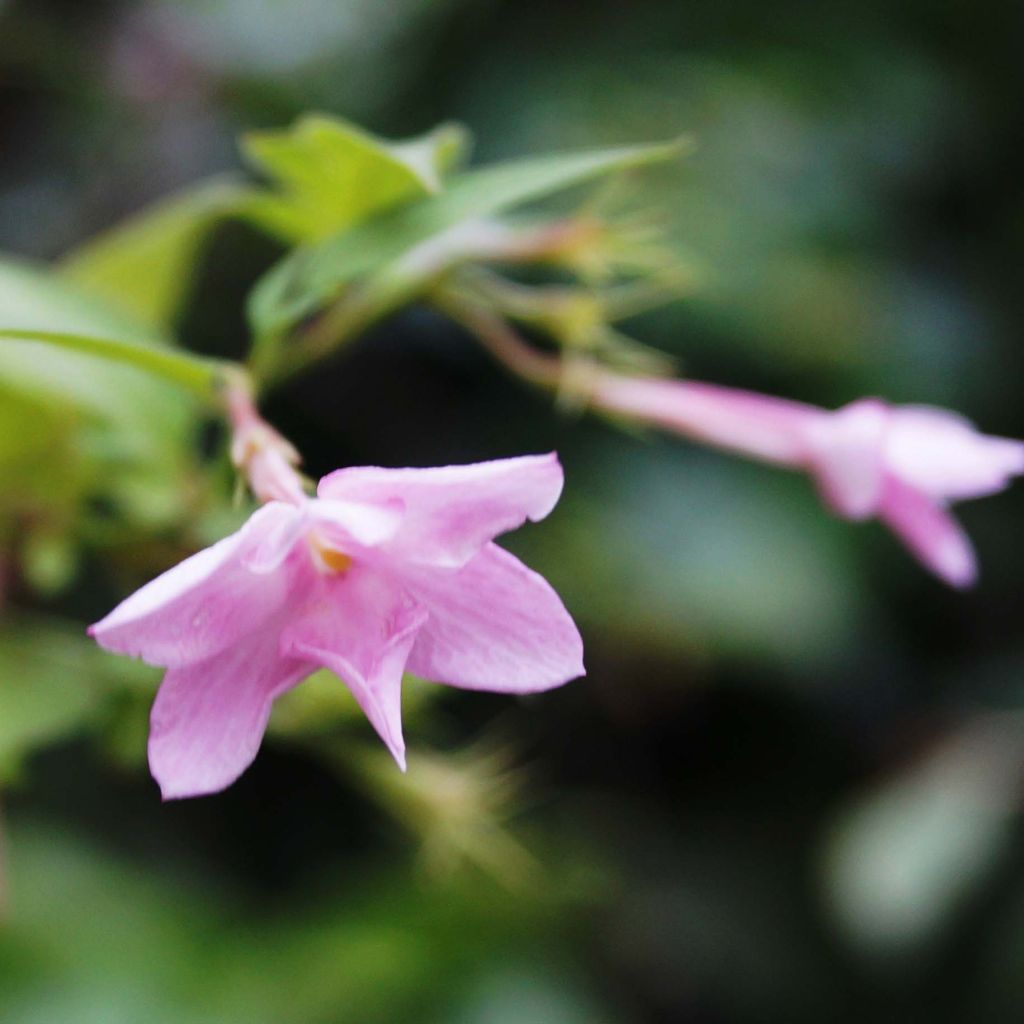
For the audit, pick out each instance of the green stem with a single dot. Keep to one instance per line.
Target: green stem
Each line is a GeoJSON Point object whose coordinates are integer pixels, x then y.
{"type": "Point", "coordinates": [204, 377]}
{"type": "Point", "coordinates": [503, 342]}
{"type": "Point", "coordinates": [358, 309]}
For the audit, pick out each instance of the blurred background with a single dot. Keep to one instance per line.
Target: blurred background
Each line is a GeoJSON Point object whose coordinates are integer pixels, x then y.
{"type": "Point", "coordinates": [788, 789]}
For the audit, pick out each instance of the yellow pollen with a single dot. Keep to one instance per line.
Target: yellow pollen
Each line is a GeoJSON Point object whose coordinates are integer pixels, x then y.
{"type": "Point", "coordinates": [327, 558]}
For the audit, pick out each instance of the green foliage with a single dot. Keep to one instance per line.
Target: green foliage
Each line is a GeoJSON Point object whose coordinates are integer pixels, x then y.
{"type": "Point", "coordinates": [36, 300]}
{"type": "Point", "coordinates": [143, 266]}
{"type": "Point", "coordinates": [93, 931]}
{"type": "Point", "coordinates": [905, 858]}
{"type": "Point", "coordinates": [55, 682]}
{"type": "Point", "coordinates": [314, 275]}
{"type": "Point", "coordinates": [203, 376]}
{"type": "Point", "coordinates": [330, 174]}
{"type": "Point", "coordinates": [100, 429]}
{"type": "Point", "coordinates": [41, 470]}
{"type": "Point", "coordinates": [761, 679]}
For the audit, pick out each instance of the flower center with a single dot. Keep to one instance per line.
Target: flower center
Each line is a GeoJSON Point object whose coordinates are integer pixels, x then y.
{"type": "Point", "coordinates": [326, 558]}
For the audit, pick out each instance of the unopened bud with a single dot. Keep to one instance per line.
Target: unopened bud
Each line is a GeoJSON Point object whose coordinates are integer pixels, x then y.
{"type": "Point", "coordinates": [260, 453]}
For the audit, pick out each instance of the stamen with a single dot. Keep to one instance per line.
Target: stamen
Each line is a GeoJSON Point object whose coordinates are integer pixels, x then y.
{"type": "Point", "coordinates": [328, 559]}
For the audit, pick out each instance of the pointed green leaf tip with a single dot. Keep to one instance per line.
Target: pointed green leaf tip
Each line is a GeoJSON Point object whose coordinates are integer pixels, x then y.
{"type": "Point", "coordinates": [329, 174]}
{"type": "Point", "coordinates": [312, 275]}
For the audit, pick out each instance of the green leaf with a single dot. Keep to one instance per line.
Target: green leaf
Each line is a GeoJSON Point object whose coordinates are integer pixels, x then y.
{"type": "Point", "coordinates": [331, 174]}
{"type": "Point", "coordinates": [101, 937]}
{"type": "Point", "coordinates": [40, 469]}
{"type": "Point", "coordinates": [904, 859]}
{"type": "Point", "coordinates": [143, 266]}
{"type": "Point", "coordinates": [60, 342]}
{"type": "Point", "coordinates": [202, 376]}
{"type": "Point", "coordinates": [109, 429]}
{"type": "Point", "coordinates": [49, 560]}
{"type": "Point", "coordinates": [52, 679]}
{"type": "Point", "coordinates": [313, 275]}
{"type": "Point", "coordinates": [35, 300]}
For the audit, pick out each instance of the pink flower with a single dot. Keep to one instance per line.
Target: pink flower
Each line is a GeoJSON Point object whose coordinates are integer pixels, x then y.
{"type": "Point", "coordinates": [386, 570]}
{"type": "Point", "coordinates": [901, 464]}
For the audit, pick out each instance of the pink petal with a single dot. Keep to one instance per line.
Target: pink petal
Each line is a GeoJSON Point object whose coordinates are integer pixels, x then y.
{"type": "Point", "coordinates": [847, 451]}
{"type": "Point", "coordinates": [209, 601]}
{"type": "Point", "coordinates": [494, 625]}
{"type": "Point", "coordinates": [930, 532]}
{"type": "Point", "coordinates": [452, 511]}
{"type": "Point", "coordinates": [285, 525]}
{"type": "Point", "coordinates": [368, 525]}
{"type": "Point", "coordinates": [361, 626]}
{"type": "Point", "coordinates": [209, 717]}
{"type": "Point", "coordinates": [762, 427]}
{"type": "Point", "coordinates": [942, 454]}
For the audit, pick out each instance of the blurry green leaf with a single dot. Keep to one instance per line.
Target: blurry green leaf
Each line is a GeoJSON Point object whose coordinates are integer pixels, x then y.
{"type": "Point", "coordinates": [35, 300]}
{"type": "Point", "coordinates": [331, 174]}
{"type": "Point", "coordinates": [319, 705]}
{"type": "Point", "coordinates": [49, 560]}
{"type": "Point", "coordinates": [129, 426]}
{"type": "Point", "coordinates": [123, 943]}
{"type": "Point", "coordinates": [313, 275]}
{"type": "Point", "coordinates": [124, 732]}
{"type": "Point", "coordinates": [51, 682]}
{"type": "Point", "coordinates": [144, 265]}
{"type": "Point", "coordinates": [203, 376]}
{"type": "Point", "coordinates": [39, 468]}
{"type": "Point", "coordinates": [536, 992]}
{"type": "Point", "coordinates": [905, 858]}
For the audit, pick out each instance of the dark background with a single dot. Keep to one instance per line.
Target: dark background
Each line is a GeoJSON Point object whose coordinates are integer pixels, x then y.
{"type": "Point", "coordinates": [787, 790]}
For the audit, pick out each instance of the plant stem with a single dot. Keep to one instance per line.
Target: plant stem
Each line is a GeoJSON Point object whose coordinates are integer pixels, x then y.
{"type": "Point", "coordinates": [500, 339]}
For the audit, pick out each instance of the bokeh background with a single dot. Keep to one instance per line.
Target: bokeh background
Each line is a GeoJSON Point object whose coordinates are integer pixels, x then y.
{"type": "Point", "coordinates": [788, 788]}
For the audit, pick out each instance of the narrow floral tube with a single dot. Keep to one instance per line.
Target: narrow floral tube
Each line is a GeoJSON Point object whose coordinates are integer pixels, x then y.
{"type": "Point", "coordinates": [266, 459]}
{"type": "Point", "coordinates": [903, 465]}
{"type": "Point", "coordinates": [385, 570]}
